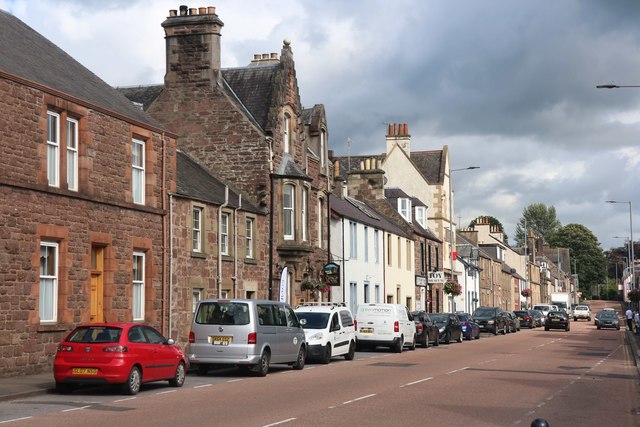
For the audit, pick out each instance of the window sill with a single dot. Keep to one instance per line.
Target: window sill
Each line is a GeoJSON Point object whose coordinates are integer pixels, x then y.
{"type": "Point", "coordinates": [52, 327]}
{"type": "Point", "coordinates": [251, 261]}
{"type": "Point", "coordinates": [198, 255]}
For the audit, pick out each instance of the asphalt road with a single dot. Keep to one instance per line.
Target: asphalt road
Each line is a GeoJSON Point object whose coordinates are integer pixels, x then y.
{"type": "Point", "coordinates": [581, 378]}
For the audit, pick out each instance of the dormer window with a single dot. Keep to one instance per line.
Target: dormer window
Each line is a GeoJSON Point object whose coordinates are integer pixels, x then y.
{"type": "Point", "coordinates": [421, 216]}
{"type": "Point", "coordinates": [286, 137]}
{"type": "Point", "coordinates": [404, 208]}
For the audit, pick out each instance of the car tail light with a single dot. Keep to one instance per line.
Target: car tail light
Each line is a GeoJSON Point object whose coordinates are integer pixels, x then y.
{"type": "Point", "coordinates": [396, 326]}
{"type": "Point", "coordinates": [355, 324]}
{"type": "Point", "coordinates": [465, 324]}
{"type": "Point", "coordinates": [420, 327]}
{"type": "Point", "coordinates": [192, 337]}
{"type": "Point", "coordinates": [252, 338]}
{"type": "Point", "coordinates": [116, 349]}
{"type": "Point", "coordinates": [63, 348]}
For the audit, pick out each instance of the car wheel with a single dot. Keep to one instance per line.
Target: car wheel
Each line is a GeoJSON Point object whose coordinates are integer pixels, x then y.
{"type": "Point", "coordinates": [326, 357]}
{"type": "Point", "coordinates": [262, 369]}
{"type": "Point", "coordinates": [504, 330]}
{"type": "Point", "coordinates": [299, 363]}
{"type": "Point", "coordinates": [546, 328]}
{"type": "Point", "coordinates": [478, 336]}
{"type": "Point", "coordinates": [575, 319]}
{"type": "Point", "coordinates": [425, 342]}
{"type": "Point", "coordinates": [531, 326]}
{"type": "Point", "coordinates": [460, 337]}
{"type": "Point", "coordinates": [567, 329]}
{"type": "Point", "coordinates": [618, 328]}
{"type": "Point", "coordinates": [63, 388]}
{"type": "Point", "coordinates": [495, 330]}
{"type": "Point", "coordinates": [588, 319]}
{"type": "Point", "coordinates": [413, 344]}
{"type": "Point", "coordinates": [437, 341]}
{"type": "Point", "coordinates": [132, 386]}
{"type": "Point", "coordinates": [352, 351]}
{"type": "Point", "coordinates": [598, 326]}
{"type": "Point", "coordinates": [398, 346]}
{"type": "Point", "coordinates": [180, 375]}
{"type": "Point", "coordinates": [447, 338]}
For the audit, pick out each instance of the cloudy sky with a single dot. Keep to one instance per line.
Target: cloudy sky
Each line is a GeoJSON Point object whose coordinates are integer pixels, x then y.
{"type": "Point", "coordinates": [509, 86]}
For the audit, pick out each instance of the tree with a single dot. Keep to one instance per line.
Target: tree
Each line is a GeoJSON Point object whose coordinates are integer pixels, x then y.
{"type": "Point", "coordinates": [591, 263]}
{"type": "Point", "coordinates": [493, 221]}
{"type": "Point", "coordinates": [539, 218]}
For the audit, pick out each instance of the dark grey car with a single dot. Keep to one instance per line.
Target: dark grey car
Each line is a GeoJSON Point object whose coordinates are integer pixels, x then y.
{"type": "Point", "coordinates": [490, 319]}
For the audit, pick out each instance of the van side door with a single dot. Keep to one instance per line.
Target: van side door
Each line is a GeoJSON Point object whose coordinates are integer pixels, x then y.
{"type": "Point", "coordinates": [408, 326]}
{"type": "Point", "coordinates": [290, 333]}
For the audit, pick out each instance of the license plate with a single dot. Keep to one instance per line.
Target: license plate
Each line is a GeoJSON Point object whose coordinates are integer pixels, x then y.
{"type": "Point", "coordinates": [220, 340]}
{"type": "Point", "coordinates": [84, 371]}
{"type": "Point", "coordinates": [520, 318]}
{"type": "Point", "coordinates": [555, 320]}
{"type": "Point", "coordinates": [366, 331]}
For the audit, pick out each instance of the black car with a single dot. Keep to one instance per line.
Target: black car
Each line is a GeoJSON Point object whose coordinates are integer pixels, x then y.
{"type": "Point", "coordinates": [490, 319]}
{"type": "Point", "coordinates": [426, 330]}
{"type": "Point", "coordinates": [512, 321]}
{"type": "Point", "coordinates": [608, 319]}
{"type": "Point", "coordinates": [470, 329]}
{"type": "Point", "coordinates": [539, 317]}
{"type": "Point", "coordinates": [557, 320]}
{"type": "Point", "coordinates": [449, 327]}
{"type": "Point", "coordinates": [527, 318]}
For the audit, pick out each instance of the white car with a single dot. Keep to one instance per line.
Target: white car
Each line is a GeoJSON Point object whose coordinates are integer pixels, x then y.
{"type": "Point", "coordinates": [388, 325]}
{"type": "Point", "coordinates": [582, 312]}
{"type": "Point", "coordinates": [329, 330]}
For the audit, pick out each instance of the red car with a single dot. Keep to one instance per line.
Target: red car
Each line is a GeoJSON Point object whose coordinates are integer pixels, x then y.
{"type": "Point", "coordinates": [127, 354]}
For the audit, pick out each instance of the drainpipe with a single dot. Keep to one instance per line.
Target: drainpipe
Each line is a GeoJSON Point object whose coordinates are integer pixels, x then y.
{"type": "Point", "coordinates": [269, 141]}
{"type": "Point", "coordinates": [344, 285]}
{"type": "Point", "coordinates": [164, 243]}
{"type": "Point", "coordinates": [235, 247]}
{"type": "Point", "coordinates": [222, 206]}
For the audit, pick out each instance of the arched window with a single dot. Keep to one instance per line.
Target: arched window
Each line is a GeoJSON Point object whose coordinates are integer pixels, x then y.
{"type": "Point", "coordinates": [288, 211]}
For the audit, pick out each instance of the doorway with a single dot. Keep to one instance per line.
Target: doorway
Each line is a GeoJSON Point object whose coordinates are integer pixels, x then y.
{"type": "Point", "coordinates": [96, 309]}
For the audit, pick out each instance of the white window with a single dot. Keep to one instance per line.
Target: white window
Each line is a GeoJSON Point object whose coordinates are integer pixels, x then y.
{"type": "Point", "coordinates": [367, 298]}
{"type": "Point", "coordinates": [288, 212]}
{"type": "Point", "coordinates": [353, 240]}
{"type": "Point", "coordinates": [48, 282]}
{"type": "Point", "coordinates": [287, 133]}
{"type": "Point", "coordinates": [224, 234]}
{"type": "Point", "coordinates": [320, 217]}
{"type": "Point", "coordinates": [249, 238]}
{"type": "Point", "coordinates": [137, 175]}
{"type": "Point", "coordinates": [377, 294]}
{"type": "Point", "coordinates": [53, 149]}
{"type": "Point", "coordinates": [404, 208]}
{"type": "Point", "coordinates": [376, 246]}
{"type": "Point", "coordinates": [138, 286]}
{"type": "Point", "coordinates": [366, 244]}
{"type": "Point", "coordinates": [304, 214]}
{"type": "Point", "coordinates": [197, 229]}
{"type": "Point", "coordinates": [72, 154]}
{"type": "Point", "coordinates": [421, 216]}
{"type": "Point", "coordinates": [196, 296]}
{"type": "Point", "coordinates": [323, 136]}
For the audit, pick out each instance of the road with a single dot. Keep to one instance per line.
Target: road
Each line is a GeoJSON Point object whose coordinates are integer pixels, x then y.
{"type": "Point", "coordinates": [581, 378]}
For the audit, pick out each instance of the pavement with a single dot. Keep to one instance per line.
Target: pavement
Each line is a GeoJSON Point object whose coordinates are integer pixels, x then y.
{"type": "Point", "coordinates": [13, 388]}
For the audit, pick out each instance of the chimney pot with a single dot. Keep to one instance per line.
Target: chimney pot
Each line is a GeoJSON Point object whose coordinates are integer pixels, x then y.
{"type": "Point", "coordinates": [202, 11]}
{"type": "Point", "coordinates": [211, 10]}
{"type": "Point", "coordinates": [265, 56]}
{"type": "Point", "coordinates": [406, 129]}
{"type": "Point", "coordinates": [389, 129]}
{"type": "Point", "coordinates": [193, 11]}
{"type": "Point", "coordinates": [274, 55]}
{"type": "Point", "coordinates": [183, 10]}
{"type": "Point", "coordinates": [256, 57]}
{"type": "Point", "coordinates": [173, 12]}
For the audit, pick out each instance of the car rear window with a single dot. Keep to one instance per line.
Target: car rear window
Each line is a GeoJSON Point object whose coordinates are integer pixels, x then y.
{"type": "Point", "coordinates": [223, 313]}
{"type": "Point", "coordinates": [521, 313]}
{"type": "Point", "coordinates": [95, 334]}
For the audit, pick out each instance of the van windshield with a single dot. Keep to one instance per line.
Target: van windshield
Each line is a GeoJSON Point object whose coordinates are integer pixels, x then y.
{"type": "Point", "coordinates": [223, 313]}
{"type": "Point", "coordinates": [313, 320]}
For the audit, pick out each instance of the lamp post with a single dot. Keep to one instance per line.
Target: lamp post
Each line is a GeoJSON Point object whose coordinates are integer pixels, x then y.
{"type": "Point", "coordinates": [631, 252]}
{"type": "Point", "coordinates": [451, 219]}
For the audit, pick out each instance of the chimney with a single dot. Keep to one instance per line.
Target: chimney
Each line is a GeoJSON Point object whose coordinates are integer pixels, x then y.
{"type": "Point", "coordinates": [367, 183]}
{"type": "Point", "coordinates": [398, 134]}
{"type": "Point", "coordinates": [192, 46]}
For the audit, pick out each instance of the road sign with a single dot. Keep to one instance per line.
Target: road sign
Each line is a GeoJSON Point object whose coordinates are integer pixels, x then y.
{"type": "Point", "coordinates": [435, 277]}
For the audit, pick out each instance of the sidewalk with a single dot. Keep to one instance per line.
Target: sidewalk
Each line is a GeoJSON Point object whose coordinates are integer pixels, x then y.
{"type": "Point", "coordinates": [12, 388]}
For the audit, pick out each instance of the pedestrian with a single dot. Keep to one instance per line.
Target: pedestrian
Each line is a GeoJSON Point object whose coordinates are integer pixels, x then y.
{"type": "Point", "coordinates": [629, 315]}
{"type": "Point", "coordinates": [636, 320]}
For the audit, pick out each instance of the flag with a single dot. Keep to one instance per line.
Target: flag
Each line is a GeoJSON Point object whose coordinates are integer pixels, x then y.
{"type": "Point", "coordinates": [283, 285]}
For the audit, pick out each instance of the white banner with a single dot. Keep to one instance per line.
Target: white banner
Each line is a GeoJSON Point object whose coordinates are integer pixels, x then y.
{"type": "Point", "coordinates": [283, 285]}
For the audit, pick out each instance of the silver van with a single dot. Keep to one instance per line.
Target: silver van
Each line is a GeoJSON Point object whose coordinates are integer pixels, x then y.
{"type": "Point", "coordinates": [247, 333]}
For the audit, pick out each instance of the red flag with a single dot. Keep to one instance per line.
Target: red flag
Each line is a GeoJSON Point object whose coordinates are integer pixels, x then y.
{"type": "Point", "coordinates": [454, 255]}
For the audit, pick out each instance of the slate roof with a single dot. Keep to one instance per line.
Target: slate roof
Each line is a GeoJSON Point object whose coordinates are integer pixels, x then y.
{"type": "Point", "coordinates": [27, 54]}
{"type": "Point", "coordinates": [144, 95]}
{"type": "Point", "coordinates": [349, 209]}
{"type": "Point", "coordinates": [289, 168]}
{"type": "Point", "coordinates": [430, 164]}
{"type": "Point", "coordinates": [254, 88]}
{"type": "Point", "coordinates": [196, 182]}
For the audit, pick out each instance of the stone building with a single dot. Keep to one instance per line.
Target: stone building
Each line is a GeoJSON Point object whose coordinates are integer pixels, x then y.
{"type": "Point", "coordinates": [83, 178]}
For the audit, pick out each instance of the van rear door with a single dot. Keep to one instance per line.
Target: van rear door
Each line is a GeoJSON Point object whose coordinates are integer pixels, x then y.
{"type": "Point", "coordinates": [221, 329]}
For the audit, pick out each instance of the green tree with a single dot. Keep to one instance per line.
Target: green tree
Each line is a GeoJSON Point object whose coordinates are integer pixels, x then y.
{"type": "Point", "coordinates": [493, 221]}
{"type": "Point", "coordinates": [539, 218]}
{"type": "Point", "coordinates": [591, 263]}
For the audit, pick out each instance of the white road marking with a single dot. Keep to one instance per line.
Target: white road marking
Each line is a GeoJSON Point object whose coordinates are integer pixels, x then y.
{"type": "Point", "coordinates": [76, 409]}
{"type": "Point", "coordinates": [124, 400]}
{"type": "Point", "coordinates": [457, 370]}
{"type": "Point", "coordinates": [517, 422]}
{"type": "Point", "coordinates": [236, 380]}
{"type": "Point", "coordinates": [279, 422]}
{"type": "Point", "coordinates": [15, 419]}
{"type": "Point", "coordinates": [417, 382]}
{"type": "Point", "coordinates": [166, 392]}
{"type": "Point", "coordinates": [358, 398]}
{"type": "Point", "coordinates": [203, 385]}
{"type": "Point", "coordinates": [541, 404]}
{"type": "Point", "coordinates": [531, 412]}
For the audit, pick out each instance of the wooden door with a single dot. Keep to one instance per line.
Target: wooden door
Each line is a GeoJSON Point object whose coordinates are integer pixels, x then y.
{"type": "Point", "coordinates": [97, 285]}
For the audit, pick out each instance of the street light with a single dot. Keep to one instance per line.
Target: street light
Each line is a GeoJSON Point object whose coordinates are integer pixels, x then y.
{"type": "Point", "coordinates": [451, 218]}
{"type": "Point", "coordinates": [632, 252]}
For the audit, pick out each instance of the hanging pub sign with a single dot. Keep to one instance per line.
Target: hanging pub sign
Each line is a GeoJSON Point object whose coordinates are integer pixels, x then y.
{"type": "Point", "coordinates": [332, 274]}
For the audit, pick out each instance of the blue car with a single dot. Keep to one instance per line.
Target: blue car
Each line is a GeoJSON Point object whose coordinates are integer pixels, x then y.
{"type": "Point", "coordinates": [470, 329]}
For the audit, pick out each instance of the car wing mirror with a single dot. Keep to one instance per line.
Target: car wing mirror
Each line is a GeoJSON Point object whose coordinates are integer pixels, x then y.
{"type": "Point", "coordinates": [170, 341]}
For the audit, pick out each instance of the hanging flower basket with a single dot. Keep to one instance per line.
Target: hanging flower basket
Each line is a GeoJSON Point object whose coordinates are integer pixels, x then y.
{"type": "Point", "coordinates": [526, 292]}
{"type": "Point", "coordinates": [452, 288]}
{"type": "Point", "coordinates": [311, 285]}
{"type": "Point", "coordinates": [634, 295]}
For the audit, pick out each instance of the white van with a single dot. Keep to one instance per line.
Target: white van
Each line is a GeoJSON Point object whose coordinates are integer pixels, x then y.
{"type": "Point", "coordinates": [248, 333]}
{"type": "Point", "coordinates": [329, 330]}
{"type": "Point", "coordinates": [389, 325]}
{"type": "Point", "coordinates": [545, 308]}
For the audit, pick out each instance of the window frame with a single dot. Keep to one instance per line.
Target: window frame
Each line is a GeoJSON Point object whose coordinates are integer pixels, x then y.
{"type": "Point", "coordinates": [366, 243]}
{"type": "Point", "coordinates": [196, 229]}
{"type": "Point", "coordinates": [138, 170]}
{"type": "Point", "coordinates": [320, 224]}
{"type": "Point", "coordinates": [138, 283]}
{"type": "Point", "coordinates": [421, 216]}
{"type": "Point", "coordinates": [224, 233]}
{"type": "Point", "coordinates": [353, 240]}
{"type": "Point", "coordinates": [72, 154]}
{"type": "Point", "coordinates": [53, 150]}
{"type": "Point", "coordinates": [289, 212]}
{"type": "Point", "coordinates": [286, 133]}
{"type": "Point", "coordinates": [52, 305]}
{"type": "Point", "coordinates": [304, 214]}
{"type": "Point", "coordinates": [249, 239]}
{"type": "Point", "coordinates": [376, 245]}
{"type": "Point", "coordinates": [323, 135]}
{"type": "Point", "coordinates": [404, 208]}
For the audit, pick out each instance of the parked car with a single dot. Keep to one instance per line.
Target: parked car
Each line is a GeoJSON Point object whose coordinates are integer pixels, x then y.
{"type": "Point", "coordinates": [539, 317]}
{"type": "Point", "coordinates": [127, 354]}
{"type": "Point", "coordinates": [512, 321]}
{"type": "Point", "coordinates": [608, 319]}
{"type": "Point", "coordinates": [582, 312]}
{"type": "Point", "coordinates": [250, 334]}
{"type": "Point", "coordinates": [427, 331]}
{"type": "Point", "coordinates": [490, 319]}
{"type": "Point", "coordinates": [329, 330]}
{"type": "Point", "coordinates": [557, 320]}
{"type": "Point", "coordinates": [526, 318]}
{"type": "Point", "coordinates": [449, 327]}
{"type": "Point", "coordinates": [545, 308]}
{"type": "Point", "coordinates": [389, 325]}
{"type": "Point", "coordinates": [470, 329]}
